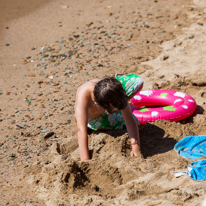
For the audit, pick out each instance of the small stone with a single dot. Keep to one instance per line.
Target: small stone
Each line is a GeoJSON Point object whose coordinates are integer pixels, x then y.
{"type": "Point", "coordinates": [13, 122]}
{"type": "Point", "coordinates": [44, 130]}
{"type": "Point", "coordinates": [89, 24]}
{"type": "Point", "coordinates": [69, 112]}
{"type": "Point", "coordinates": [165, 57]}
{"type": "Point", "coordinates": [49, 135]}
{"type": "Point", "coordinates": [65, 7]}
{"type": "Point", "coordinates": [200, 23]}
{"type": "Point", "coordinates": [25, 62]}
{"type": "Point", "coordinates": [191, 36]}
{"type": "Point", "coordinates": [21, 127]}
{"type": "Point", "coordinates": [31, 75]}
{"type": "Point", "coordinates": [16, 111]}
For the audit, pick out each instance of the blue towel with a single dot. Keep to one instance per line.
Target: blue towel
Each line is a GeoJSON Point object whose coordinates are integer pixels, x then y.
{"type": "Point", "coordinates": [193, 147]}
{"type": "Point", "coordinates": [197, 170]}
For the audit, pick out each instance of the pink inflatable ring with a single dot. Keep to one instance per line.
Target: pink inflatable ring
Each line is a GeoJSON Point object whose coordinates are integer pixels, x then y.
{"type": "Point", "coordinates": [176, 105]}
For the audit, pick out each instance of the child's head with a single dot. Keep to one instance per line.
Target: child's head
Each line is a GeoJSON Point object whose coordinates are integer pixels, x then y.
{"type": "Point", "coordinates": [110, 94]}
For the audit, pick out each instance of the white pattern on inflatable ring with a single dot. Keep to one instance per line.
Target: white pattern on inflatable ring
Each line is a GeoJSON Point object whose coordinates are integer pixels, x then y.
{"type": "Point", "coordinates": [177, 100]}
{"type": "Point", "coordinates": [190, 100]}
{"type": "Point", "coordinates": [180, 94]}
{"type": "Point", "coordinates": [154, 114]}
{"type": "Point", "coordinates": [147, 93]}
{"type": "Point", "coordinates": [137, 97]}
{"type": "Point", "coordinates": [185, 106]}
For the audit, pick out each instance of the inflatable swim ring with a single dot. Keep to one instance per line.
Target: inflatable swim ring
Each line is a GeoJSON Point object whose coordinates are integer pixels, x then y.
{"type": "Point", "coordinates": [175, 105]}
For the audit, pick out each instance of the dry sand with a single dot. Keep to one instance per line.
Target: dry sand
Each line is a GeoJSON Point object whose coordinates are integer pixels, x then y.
{"type": "Point", "coordinates": [47, 51]}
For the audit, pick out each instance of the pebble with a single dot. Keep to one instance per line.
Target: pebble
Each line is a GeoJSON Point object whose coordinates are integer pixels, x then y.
{"type": "Point", "coordinates": [16, 111]}
{"type": "Point", "coordinates": [165, 57]}
{"type": "Point", "coordinates": [200, 23]}
{"type": "Point", "coordinates": [49, 135]}
{"type": "Point", "coordinates": [31, 75]}
{"type": "Point", "coordinates": [69, 112]}
{"type": "Point", "coordinates": [191, 36]}
{"type": "Point", "coordinates": [45, 130]}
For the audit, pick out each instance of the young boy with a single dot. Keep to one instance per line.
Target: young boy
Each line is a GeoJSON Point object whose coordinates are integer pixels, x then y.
{"type": "Point", "coordinates": [104, 104]}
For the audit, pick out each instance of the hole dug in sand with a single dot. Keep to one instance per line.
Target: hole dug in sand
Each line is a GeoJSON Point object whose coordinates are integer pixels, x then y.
{"type": "Point", "coordinates": [115, 178]}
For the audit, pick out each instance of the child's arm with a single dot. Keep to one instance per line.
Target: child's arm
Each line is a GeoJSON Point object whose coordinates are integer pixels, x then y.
{"type": "Point", "coordinates": [133, 130]}
{"type": "Point", "coordinates": [81, 114]}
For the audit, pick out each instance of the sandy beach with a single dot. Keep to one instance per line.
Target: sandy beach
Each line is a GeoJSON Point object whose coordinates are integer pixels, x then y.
{"type": "Point", "coordinates": [47, 50]}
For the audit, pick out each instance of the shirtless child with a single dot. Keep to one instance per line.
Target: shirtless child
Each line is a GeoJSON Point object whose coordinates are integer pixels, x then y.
{"type": "Point", "coordinates": [104, 104]}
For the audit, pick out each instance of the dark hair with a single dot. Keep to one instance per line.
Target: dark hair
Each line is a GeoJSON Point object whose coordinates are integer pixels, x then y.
{"type": "Point", "coordinates": [109, 93]}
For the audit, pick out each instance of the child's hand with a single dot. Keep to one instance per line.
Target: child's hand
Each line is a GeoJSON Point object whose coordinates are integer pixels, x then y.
{"type": "Point", "coordinates": [136, 153]}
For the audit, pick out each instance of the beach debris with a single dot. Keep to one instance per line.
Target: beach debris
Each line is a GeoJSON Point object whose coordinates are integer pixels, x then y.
{"type": "Point", "coordinates": [89, 24]}
{"type": "Point", "coordinates": [31, 75]}
{"type": "Point", "coordinates": [25, 62]}
{"type": "Point", "coordinates": [191, 36]}
{"type": "Point", "coordinates": [65, 6]}
{"type": "Point", "coordinates": [45, 130]}
{"type": "Point", "coordinates": [165, 57]}
{"type": "Point", "coordinates": [200, 23]}
{"type": "Point", "coordinates": [69, 112]}
{"type": "Point", "coordinates": [21, 127]}
{"type": "Point", "coordinates": [48, 135]}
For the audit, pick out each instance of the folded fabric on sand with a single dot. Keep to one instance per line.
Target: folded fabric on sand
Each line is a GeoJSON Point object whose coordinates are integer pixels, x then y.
{"type": "Point", "coordinates": [193, 147]}
{"type": "Point", "coordinates": [196, 170]}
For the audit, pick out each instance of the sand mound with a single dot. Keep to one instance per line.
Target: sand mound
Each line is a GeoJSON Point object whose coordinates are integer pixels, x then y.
{"type": "Point", "coordinates": [115, 178]}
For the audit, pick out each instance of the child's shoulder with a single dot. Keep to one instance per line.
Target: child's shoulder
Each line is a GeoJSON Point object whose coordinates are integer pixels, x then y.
{"type": "Point", "coordinates": [88, 86]}
{"type": "Point", "coordinates": [93, 81]}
